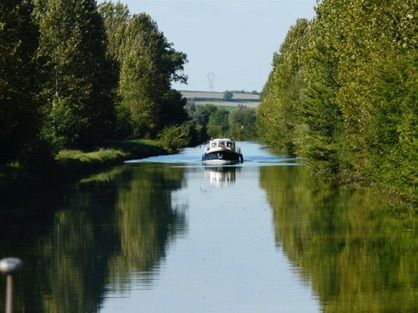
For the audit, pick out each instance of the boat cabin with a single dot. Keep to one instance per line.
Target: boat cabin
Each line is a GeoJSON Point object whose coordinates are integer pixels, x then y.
{"type": "Point", "coordinates": [222, 143]}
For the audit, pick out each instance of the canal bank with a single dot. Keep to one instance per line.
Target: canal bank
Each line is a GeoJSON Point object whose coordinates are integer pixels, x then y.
{"type": "Point", "coordinates": [70, 165]}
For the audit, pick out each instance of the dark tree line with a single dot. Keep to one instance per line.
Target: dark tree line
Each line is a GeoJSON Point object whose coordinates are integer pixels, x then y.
{"type": "Point", "coordinates": [20, 116]}
{"type": "Point", "coordinates": [343, 92]}
{"type": "Point", "coordinates": [73, 74]}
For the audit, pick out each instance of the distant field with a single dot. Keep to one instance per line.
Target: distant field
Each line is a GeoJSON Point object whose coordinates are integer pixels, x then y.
{"type": "Point", "coordinates": [229, 103]}
{"type": "Point", "coordinates": [215, 98]}
{"type": "Point", "coordinates": [219, 95]}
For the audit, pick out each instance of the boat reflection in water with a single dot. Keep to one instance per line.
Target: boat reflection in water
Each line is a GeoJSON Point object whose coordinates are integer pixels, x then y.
{"type": "Point", "coordinates": [220, 176]}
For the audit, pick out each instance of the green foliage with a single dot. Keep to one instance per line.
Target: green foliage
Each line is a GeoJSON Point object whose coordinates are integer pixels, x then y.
{"type": "Point", "coordinates": [76, 163]}
{"type": "Point", "coordinates": [74, 75]}
{"type": "Point", "coordinates": [148, 64]}
{"type": "Point", "coordinates": [62, 128]}
{"type": "Point", "coordinates": [174, 112]}
{"type": "Point", "coordinates": [173, 138]}
{"type": "Point", "coordinates": [342, 93]}
{"type": "Point", "coordinates": [20, 116]}
{"type": "Point", "coordinates": [397, 141]}
{"type": "Point", "coordinates": [80, 82]}
{"type": "Point", "coordinates": [116, 17]}
{"type": "Point", "coordinates": [242, 121]}
{"type": "Point", "coordinates": [199, 117]}
{"type": "Point", "coordinates": [201, 114]}
{"type": "Point", "coordinates": [228, 95]}
{"type": "Point", "coordinates": [211, 121]}
{"type": "Point", "coordinates": [102, 156]}
{"type": "Point", "coordinates": [280, 112]}
{"type": "Point", "coordinates": [218, 124]}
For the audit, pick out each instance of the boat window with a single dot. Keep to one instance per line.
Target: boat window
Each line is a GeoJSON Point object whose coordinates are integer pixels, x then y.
{"type": "Point", "coordinates": [213, 144]}
{"type": "Point", "coordinates": [228, 144]}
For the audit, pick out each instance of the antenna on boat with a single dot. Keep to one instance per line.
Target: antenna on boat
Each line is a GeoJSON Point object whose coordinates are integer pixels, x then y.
{"type": "Point", "coordinates": [211, 79]}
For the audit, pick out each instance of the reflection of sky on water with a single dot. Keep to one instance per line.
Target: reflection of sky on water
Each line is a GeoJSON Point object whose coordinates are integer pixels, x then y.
{"type": "Point", "coordinates": [228, 261]}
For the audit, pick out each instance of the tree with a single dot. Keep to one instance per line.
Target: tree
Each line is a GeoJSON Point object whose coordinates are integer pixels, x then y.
{"type": "Point", "coordinates": [242, 122]}
{"type": "Point", "coordinates": [148, 65]}
{"type": "Point", "coordinates": [228, 95]}
{"type": "Point", "coordinates": [174, 112]}
{"type": "Point", "coordinates": [198, 116]}
{"type": "Point", "coordinates": [19, 109]}
{"type": "Point", "coordinates": [203, 113]}
{"type": "Point", "coordinates": [116, 17]}
{"type": "Point", "coordinates": [342, 92]}
{"type": "Point", "coordinates": [80, 81]}
{"type": "Point", "coordinates": [280, 120]}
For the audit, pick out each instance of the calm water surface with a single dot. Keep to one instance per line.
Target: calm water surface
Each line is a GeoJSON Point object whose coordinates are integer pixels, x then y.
{"type": "Point", "coordinates": [165, 234]}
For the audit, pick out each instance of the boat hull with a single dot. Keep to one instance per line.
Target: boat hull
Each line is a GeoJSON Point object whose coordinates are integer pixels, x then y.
{"type": "Point", "coordinates": [222, 157]}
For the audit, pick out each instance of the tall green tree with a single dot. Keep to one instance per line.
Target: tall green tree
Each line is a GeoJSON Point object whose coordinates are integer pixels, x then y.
{"type": "Point", "coordinates": [148, 65]}
{"type": "Point", "coordinates": [321, 116]}
{"type": "Point", "coordinates": [281, 107]}
{"type": "Point", "coordinates": [116, 17]}
{"type": "Point", "coordinates": [19, 109]}
{"type": "Point", "coordinates": [80, 81]}
{"type": "Point", "coordinates": [355, 87]}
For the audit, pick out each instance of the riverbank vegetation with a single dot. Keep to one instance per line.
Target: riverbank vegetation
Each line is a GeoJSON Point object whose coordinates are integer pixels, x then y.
{"type": "Point", "coordinates": [76, 76]}
{"type": "Point", "coordinates": [69, 165]}
{"type": "Point", "coordinates": [343, 93]}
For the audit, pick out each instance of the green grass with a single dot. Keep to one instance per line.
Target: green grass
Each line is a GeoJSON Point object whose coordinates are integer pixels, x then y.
{"type": "Point", "coordinates": [102, 156]}
{"type": "Point", "coordinates": [113, 153]}
{"type": "Point", "coordinates": [141, 148]}
{"type": "Point", "coordinates": [71, 165]}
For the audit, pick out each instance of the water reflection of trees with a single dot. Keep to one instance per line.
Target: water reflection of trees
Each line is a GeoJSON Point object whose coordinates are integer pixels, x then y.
{"type": "Point", "coordinates": [359, 254]}
{"type": "Point", "coordinates": [108, 227]}
{"type": "Point", "coordinates": [147, 221]}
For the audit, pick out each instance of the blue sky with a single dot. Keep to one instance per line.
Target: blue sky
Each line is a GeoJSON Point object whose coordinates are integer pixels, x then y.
{"type": "Point", "coordinates": [234, 39]}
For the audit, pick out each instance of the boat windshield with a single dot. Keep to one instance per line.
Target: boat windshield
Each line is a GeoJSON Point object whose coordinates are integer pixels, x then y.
{"type": "Point", "coordinates": [222, 143]}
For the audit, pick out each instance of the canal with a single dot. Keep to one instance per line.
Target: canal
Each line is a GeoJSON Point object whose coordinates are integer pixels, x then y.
{"type": "Point", "coordinates": [166, 234]}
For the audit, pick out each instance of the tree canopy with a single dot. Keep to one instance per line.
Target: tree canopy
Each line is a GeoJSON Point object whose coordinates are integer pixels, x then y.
{"type": "Point", "coordinates": [148, 65]}
{"type": "Point", "coordinates": [74, 74]}
{"type": "Point", "coordinates": [79, 78]}
{"type": "Point", "coordinates": [19, 80]}
{"type": "Point", "coordinates": [342, 92]}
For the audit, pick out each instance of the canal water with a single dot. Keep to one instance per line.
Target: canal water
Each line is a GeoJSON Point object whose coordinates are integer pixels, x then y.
{"type": "Point", "coordinates": [166, 234]}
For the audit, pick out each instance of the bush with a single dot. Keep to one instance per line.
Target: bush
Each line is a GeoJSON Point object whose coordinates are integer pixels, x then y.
{"type": "Point", "coordinates": [173, 138]}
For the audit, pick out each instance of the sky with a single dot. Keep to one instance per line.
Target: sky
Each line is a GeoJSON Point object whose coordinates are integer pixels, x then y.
{"type": "Point", "coordinates": [229, 43]}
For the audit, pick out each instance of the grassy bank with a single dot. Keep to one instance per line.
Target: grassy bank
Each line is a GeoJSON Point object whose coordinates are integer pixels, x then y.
{"type": "Point", "coordinates": [70, 165]}
{"type": "Point", "coordinates": [75, 162]}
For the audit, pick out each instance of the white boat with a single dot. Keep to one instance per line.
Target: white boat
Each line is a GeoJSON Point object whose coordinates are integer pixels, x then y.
{"type": "Point", "coordinates": [222, 151]}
